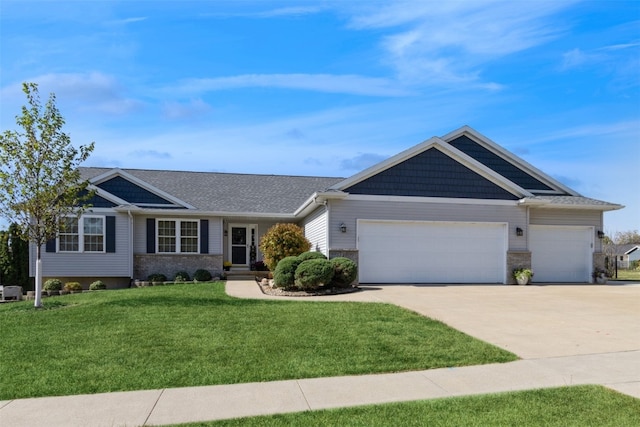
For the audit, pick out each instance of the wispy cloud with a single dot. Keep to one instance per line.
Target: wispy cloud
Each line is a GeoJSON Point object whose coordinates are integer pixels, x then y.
{"type": "Point", "coordinates": [126, 21]}
{"type": "Point", "coordinates": [289, 11]}
{"type": "Point", "coordinates": [361, 161]}
{"type": "Point", "coordinates": [450, 42]}
{"type": "Point", "coordinates": [91, 91]}
{"type": "Point", "coordinates": [189, 110]}
{"type": "Point", "coordinates": [345, 84]}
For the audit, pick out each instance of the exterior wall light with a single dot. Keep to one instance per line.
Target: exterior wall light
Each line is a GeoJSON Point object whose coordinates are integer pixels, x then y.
{"type": "Point", "coordinates": [519, 232]}
{"type": "Point", "coordinates": [343, 227]}
{"type": "Point", "coordinates": [600, 234]}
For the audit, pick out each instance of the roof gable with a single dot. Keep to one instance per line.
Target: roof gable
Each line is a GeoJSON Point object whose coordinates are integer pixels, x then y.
{"type": "Point", "coordinates": [132, 193]}
{"type": "Point", "coordinates": [431, 173]}
{"type": "Point", "coordinates": [499, 164]}
{"type": "Point", "coordinates": [505, 163]}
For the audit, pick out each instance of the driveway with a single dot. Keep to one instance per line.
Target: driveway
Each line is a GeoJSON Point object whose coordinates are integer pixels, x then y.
{"type": "Point", "coordinates": [530, 321]}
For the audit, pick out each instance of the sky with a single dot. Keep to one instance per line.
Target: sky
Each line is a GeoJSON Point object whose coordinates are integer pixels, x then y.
{"type": "Point", "coordinates": [328, 88]}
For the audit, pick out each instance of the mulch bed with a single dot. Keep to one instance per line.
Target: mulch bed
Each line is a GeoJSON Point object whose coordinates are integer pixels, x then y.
{"type": "Point", "coordinates": [268, 290]}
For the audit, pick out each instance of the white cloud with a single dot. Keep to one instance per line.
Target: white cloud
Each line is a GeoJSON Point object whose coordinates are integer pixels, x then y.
{"type": "Point", "coordinates": [449, 42]}
{"type": "Point", "coordinates": [346, 84]}
{"type": "Point", "coordinates": [92, 91]}
{"type": "Point", "coordinates": [192, 109]}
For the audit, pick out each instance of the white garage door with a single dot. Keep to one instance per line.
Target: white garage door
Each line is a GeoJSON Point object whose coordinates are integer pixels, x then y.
{"type": "Point", "coordinates": [561, 254]}
{"type": "Point", "coordinates": [431, 252]}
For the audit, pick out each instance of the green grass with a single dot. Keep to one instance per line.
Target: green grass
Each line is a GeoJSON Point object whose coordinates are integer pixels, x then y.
{"type": "Point", "coordinates": [628, 275]}
{"type": "Point", "coordinates": [190, 335]}
{"type": "Point", "coordinates": [562, 407]}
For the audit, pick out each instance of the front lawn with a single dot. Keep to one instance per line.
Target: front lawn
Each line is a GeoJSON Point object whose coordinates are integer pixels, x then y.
{"type": "Point", "coordinates": [191, 335]}
{"type": "Point", "coordinates": [558, 407]}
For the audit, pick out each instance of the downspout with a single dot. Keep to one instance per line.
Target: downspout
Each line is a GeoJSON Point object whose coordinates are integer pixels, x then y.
{"type": "Point", "coordinates": [130, 246]}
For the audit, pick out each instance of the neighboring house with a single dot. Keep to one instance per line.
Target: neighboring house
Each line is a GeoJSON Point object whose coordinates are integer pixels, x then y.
{"type": "Point", "coordinates": [623, 255]}
{"type": "Point", "coordinates": [455, 209]}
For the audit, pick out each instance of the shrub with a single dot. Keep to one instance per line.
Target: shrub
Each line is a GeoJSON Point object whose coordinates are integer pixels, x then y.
{"type": "Point", "coordinates": [72, 286]}
{"type": "Point", "coordinates": [181, 276]}
{"type": "Point", "coordinates": [313, 273]}
{"type": "Point", "coordinates": [53, 285]}
{"type": "Point", "coordinates": [157, 277]}
{"type": "Point", "coordinates": [260, 266]}
{"type": "Point", "coordinates": [202, 275]}
{"type": "Point", "coordinates": [345, 272]}
{"type": "Point", "coordinates": [285, 272]}
{"type": "Point", "coordinates": [98, 285]}
{"type": "Point", "coordinates": [280, 241]}
{"type": "Point", "coordinates": [311, 255]}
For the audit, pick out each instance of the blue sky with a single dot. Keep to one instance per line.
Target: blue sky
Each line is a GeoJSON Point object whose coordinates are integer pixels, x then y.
{"type": "Point", "coordinates": [330, 87]}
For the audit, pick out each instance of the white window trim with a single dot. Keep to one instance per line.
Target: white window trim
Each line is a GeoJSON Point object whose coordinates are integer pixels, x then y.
{"type": "Point", "coordinates": [81, 236]}
{"type": "Point", "coordinates": [178, 237]}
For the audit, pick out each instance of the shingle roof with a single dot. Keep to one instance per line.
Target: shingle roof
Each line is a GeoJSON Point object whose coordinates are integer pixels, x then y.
{"type": "Point", "coordinates": [229, 192]}
{"type": "Point", "coordinates": [576, 202]}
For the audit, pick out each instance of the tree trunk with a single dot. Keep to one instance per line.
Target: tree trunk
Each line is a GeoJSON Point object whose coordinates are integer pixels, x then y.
{"type": "Point", "coordinates": [38, 297]}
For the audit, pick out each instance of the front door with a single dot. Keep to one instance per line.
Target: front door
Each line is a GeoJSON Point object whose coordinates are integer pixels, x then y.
{"type": "Point", "coordinates": [242, 244]}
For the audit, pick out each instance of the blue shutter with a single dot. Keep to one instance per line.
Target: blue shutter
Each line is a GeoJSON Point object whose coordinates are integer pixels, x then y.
{"type": "Point", "coordinates": [110, 231]}
{"type": "Point", "coordinates": [204, 236]}
{"type": "Point", "coordinates": [151, 235]}
{"type": "Point", "coordinates": [50, 245]}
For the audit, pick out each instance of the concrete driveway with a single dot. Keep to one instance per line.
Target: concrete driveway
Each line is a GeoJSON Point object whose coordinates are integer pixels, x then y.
{"type": "Point", "coordinates": [530, 321]}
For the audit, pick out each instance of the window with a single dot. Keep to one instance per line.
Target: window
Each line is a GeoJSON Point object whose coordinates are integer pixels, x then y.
{"type": "Point", "coordinates": [89, 238]}
{"type": "Point", "coordinates": [175, 236]}
{"type": "Point", "coordinates": [69, 236]}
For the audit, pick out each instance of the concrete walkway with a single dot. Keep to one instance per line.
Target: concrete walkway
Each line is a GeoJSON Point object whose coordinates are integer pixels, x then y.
{"type": "Point", "coordinates": [617, 368]}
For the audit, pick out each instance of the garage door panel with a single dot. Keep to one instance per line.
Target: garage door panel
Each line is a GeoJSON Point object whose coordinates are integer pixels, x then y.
{"type": "Point", "coordinates": [428, 252]}
{"type": "Point", "coordinates": [561, 253]}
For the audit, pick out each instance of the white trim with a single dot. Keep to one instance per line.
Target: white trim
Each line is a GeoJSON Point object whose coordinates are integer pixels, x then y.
{"type": "Point", "coordinates": [446, 200]}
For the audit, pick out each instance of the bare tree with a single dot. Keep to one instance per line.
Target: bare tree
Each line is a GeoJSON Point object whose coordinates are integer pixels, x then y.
{"type": "Point", "coordinates": [40, 181]}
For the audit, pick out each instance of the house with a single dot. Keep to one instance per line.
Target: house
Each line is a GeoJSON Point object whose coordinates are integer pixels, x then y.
{"type": "Point", "coordinates": [454, 209]}
{"type": "Point", "coordinates": [625, 256]}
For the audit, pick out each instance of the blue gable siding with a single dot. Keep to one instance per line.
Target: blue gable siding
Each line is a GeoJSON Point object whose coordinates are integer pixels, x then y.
{"type": "Point", "coordinates": [131, 192]}
{"type": "Point", "coordinates": [498, 164]}
{"type": "Point", "coordinates": [99, 202]}
{"type": "Point", "coordinates": [431, 174]}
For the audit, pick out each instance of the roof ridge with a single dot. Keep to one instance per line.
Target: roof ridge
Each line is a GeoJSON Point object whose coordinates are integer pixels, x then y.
{"type": "Point", "coordinates": [212, 172]}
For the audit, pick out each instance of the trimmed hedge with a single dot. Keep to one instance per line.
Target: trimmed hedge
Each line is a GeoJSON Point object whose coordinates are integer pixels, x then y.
{"type": "Point", "coordinates": [53, 285]}
{"type": "Point", "coordinates": [305, 256]}
{"type": "Point", "coordinates": [181, 276]}
{"type": "Point", "coordinates": [284, 274]}
{"type": "Point", "coordinates": [345, 272]}
{"type": "Point", "coordinates": [98, 285]}
{"type": "Point", "coordinates": [280, 241]}
{"type": "Point", "coordinates": [202, 275]}
{"type": "Point", "coordinates": [313, 273]}
{"type": "Point", "coordinates": [72, 286]}
{"type": "Point", "coordinates": [157, 277]}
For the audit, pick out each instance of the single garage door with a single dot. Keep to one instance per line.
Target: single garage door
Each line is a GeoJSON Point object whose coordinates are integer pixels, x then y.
{"type": "Point", "coordinates": [431, 252]}
{"type": "Point", "coordinates": [561, 253]}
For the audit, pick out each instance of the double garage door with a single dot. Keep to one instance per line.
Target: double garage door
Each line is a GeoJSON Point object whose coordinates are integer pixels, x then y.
{"type": "Point", "coordinates": [431, 252]}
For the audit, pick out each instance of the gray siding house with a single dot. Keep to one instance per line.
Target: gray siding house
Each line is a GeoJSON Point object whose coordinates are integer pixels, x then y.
{"type": "Point", "coordinates": [453, 209]}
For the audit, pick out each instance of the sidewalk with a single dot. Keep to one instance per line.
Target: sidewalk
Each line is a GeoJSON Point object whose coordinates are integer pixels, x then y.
{"type": "Point", "coordinates": [619, 370]}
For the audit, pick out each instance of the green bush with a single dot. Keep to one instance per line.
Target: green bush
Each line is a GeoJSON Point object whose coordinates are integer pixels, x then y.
{"type": "Point", "coordinates": [181, 277]}
{"type": "Point", "coordinates": [345, 272]}
{"type": "Point", "coordinates": [157, 277]}
{"type": "Point", "coordinates": [285, 272]}
{"type": "Point", "coordinates": [202, 275]}
{"type": "Point", "coordinates": [98, 285]}
{"type": "Point", "coordinates": [313, 273]}
{"type": "Point", "coordinates": [305, 256]}
{"type": "Point", "coordinates": [53, 285]}
{"type": "Point", "coordinates": [72, 286]}
{"type": "Point", "coordinates": [280, 241]}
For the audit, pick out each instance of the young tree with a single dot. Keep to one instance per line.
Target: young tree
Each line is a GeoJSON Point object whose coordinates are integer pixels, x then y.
{"type": "Point", "coordinates": [39, 177]}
